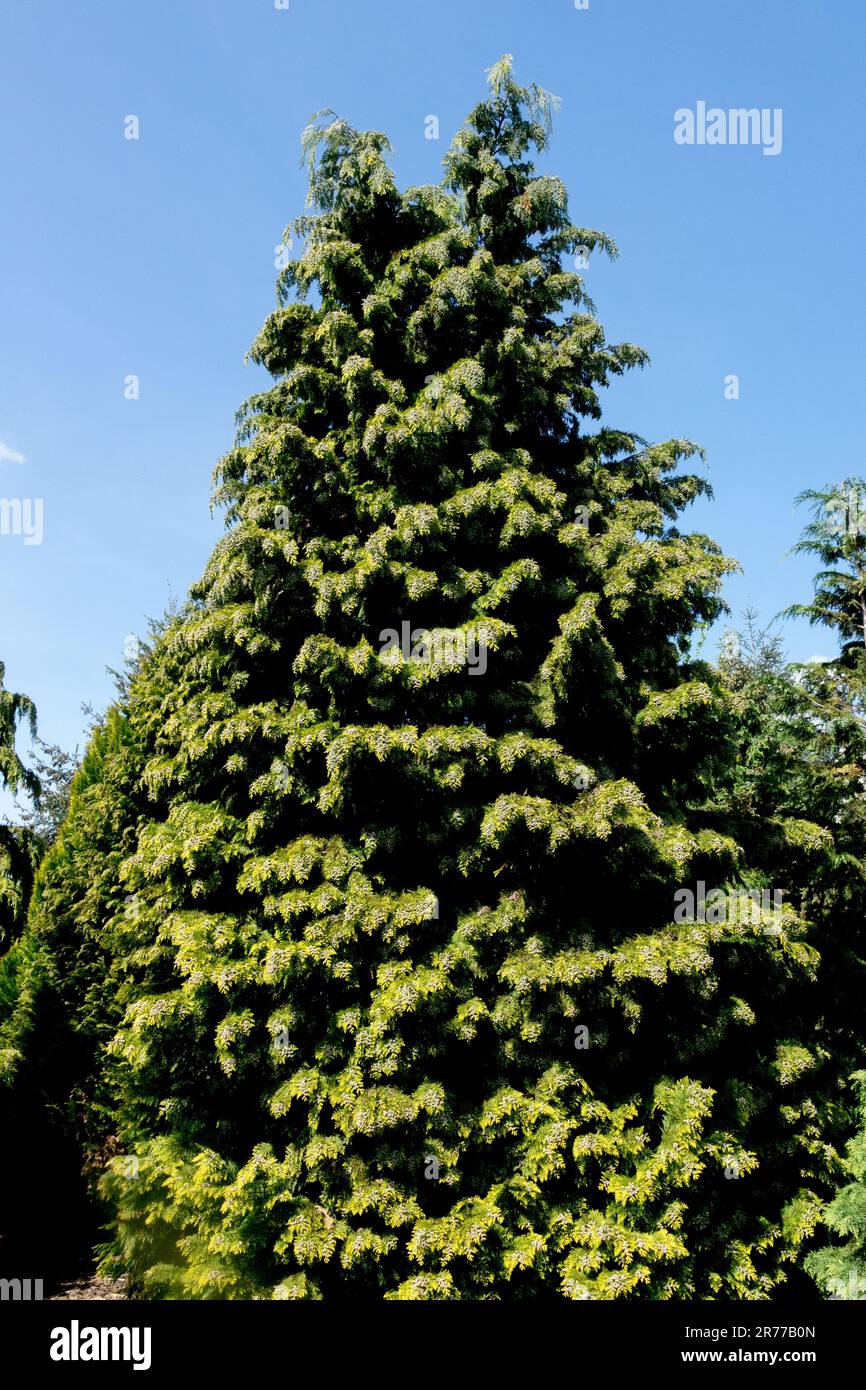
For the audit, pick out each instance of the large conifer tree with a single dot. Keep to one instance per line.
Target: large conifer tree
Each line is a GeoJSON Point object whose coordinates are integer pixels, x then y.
{"type": "Point", "coordinates": [406, 1011]}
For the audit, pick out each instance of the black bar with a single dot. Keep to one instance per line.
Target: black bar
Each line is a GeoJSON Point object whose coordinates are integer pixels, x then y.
{"type": "Point", "coordinates": [408, 1341]}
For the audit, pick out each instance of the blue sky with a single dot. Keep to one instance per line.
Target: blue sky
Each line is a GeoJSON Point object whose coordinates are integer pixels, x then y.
{"type": "Point", "coordinates": [155, 257]}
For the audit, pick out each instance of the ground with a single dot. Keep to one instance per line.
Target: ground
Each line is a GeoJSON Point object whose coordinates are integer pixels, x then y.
{"type": "Point", "coordinates": [91, 1288]}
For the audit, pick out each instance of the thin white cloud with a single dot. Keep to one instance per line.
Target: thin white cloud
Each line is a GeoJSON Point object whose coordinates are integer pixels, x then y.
{"type": "Point", "coordinates": [10, 455]}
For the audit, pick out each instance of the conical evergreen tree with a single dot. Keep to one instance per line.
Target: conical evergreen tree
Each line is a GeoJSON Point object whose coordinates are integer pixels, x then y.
{"type": "Point", "coordinates": [407, 1009]}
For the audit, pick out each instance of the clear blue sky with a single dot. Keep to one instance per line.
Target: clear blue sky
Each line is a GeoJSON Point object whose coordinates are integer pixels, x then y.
{"type": "Point", "coordinates": [155, 257]}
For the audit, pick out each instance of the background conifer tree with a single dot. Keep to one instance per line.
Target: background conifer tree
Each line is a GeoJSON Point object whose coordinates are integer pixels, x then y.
{"type": "Point", "coordinates": [801, 735]}
{"type": "Point", "coordinates": [19, 849]}
{"type": "Point", "coordinates": [58, 1010]}
{"type": "Point", "coordinates": [840, 1269]}
{"type": "Point", "coordinates": [837, 536]}
{"type": "Point", "coordinates": [55, 769]}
